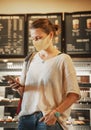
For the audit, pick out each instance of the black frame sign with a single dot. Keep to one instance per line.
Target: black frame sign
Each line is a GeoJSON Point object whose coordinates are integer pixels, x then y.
{"type": "Point", "coordinates": [12, 29]}
{"type": "Point", "coordinates": [55, 18]}
{"type": "Point", "coordinates": [78, 33]}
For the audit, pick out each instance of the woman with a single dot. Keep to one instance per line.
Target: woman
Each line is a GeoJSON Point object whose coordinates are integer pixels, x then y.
{"type": "Point", "coordinates": [50, 84]}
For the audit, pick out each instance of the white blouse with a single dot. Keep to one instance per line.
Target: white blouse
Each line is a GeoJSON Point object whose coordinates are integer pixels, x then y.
{"type": "Point", "coordinates": [47, 83]}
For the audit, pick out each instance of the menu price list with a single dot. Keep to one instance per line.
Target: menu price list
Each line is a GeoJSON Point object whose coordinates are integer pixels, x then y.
{"type": "Point", "coordinates": [55, 18]}
{"type": "Point", "coordinates": [11, 35]}
{"type": "Point", "coordinates": [78, 33]}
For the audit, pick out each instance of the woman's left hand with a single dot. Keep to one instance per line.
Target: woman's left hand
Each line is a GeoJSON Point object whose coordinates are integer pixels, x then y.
{"type": "Point", "coordinates": [49, 118]}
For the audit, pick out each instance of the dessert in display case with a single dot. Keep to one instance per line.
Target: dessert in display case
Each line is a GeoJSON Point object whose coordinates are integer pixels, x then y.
{"type": "Point", "coordinates": [9, 98]}
{"type": "Point", "coordinates": [80, 117]}
{"type": "Point", "coordinates": [55, 18]}
{"type": "Point", "coordinates": [8, 107]}
{"type": "Point", "coordinates": [78, 33]}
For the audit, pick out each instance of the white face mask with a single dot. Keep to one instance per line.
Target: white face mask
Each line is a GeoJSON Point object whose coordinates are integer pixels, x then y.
{"type": "Point", "coordinates": [42, 44]}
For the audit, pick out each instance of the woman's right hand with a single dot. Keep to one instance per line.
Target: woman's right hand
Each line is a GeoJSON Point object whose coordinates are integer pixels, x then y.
{"type": "Point", "coordinates": [13, 82]}
{"type": "Point", "coordinates": [16, 86]}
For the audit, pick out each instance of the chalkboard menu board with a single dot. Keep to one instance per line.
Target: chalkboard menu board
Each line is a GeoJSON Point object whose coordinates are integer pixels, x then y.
{"type": "Point", "coordinates": [78, 33]}
{"type": "Point", "coordinates": [12, 35]}
{"type": "Point", "coordinates": [55, 18]}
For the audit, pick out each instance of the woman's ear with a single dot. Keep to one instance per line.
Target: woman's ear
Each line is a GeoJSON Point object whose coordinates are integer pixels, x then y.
{"type": "Point", "coordinates": [51, 34]}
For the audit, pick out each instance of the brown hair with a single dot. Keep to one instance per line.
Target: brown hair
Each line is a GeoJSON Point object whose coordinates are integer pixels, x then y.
{"type": "Point", "coordinates": [45, 25]}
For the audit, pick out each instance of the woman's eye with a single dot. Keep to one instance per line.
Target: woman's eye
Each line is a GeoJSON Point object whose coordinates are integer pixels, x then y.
{"type": "Point", "coordinates": [37, 38]}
